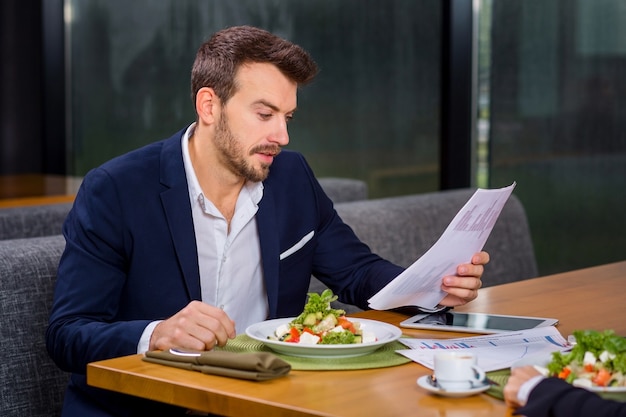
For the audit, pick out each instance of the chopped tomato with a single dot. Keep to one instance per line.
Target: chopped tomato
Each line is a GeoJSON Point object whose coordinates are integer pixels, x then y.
{"type": "Point", "coordinates": [589, 367]}
{"type": "Point", "coordinates": [346, 324]}
{"type": "Point", "coordinates": [602, 378]}
{"type": "Point", "coordinates": [565, 372]}
{"type": "Point", "coordinates": [294, 336]}
{"type": "Point", "coordinates": [307, 330]}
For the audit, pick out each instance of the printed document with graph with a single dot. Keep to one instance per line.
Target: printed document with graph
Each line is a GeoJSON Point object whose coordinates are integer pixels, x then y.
{"type": "Point", "coordinates": [420, 284]}
{"type": "Point", "coordinates": [494, 351]}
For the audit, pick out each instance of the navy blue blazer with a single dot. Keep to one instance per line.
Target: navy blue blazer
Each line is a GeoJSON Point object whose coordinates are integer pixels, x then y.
{"type": "Point", "coordinates": [131, 257]}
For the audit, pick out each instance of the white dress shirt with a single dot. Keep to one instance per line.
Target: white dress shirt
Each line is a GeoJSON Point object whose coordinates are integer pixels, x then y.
{"type": "Point", "coordinates": [231, 275]}
{"type": "Point", "coordinates": [526, 388]}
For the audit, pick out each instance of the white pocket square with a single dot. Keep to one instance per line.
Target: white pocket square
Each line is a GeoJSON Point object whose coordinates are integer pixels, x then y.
{"type": "Point", "coordinates": [297, 246]}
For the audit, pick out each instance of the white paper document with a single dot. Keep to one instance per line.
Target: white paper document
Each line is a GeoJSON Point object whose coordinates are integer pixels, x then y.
{"type": "Point", "coordinates": [420, 284]}
{"type": "Point", "coordinates": [494, 351]}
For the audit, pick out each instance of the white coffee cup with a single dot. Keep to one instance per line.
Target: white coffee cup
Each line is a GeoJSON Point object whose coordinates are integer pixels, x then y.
{"type": "Point", "coordinates": [457, 370]}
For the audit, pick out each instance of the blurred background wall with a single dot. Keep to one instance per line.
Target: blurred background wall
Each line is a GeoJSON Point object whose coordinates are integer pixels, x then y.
{"type": "Point", "coordinates": [86, 80]}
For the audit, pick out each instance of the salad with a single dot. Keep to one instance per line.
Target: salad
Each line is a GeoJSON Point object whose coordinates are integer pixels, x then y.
{"type": "Point", "coordinates": [598, 359]}
{"type": "Point", "coordinates": [319, 323]}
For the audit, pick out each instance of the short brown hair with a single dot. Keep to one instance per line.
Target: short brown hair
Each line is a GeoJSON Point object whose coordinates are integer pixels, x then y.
{"type": "Point", "coordinates": [219, 58]}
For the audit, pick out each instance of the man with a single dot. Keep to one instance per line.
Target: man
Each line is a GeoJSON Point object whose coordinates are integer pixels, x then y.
{"type": "Point", "coordinates": [187, 241]}
{"type": "Point", "coordinates": [534, 395]}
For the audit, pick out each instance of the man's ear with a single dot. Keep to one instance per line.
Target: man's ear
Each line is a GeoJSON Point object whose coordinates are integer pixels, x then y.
{"type": "Point", "coordinates": [207, 104]}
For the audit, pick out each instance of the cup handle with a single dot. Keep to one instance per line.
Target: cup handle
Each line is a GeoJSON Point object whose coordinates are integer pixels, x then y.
{"type": "Point", "coordinates": [479, 374]}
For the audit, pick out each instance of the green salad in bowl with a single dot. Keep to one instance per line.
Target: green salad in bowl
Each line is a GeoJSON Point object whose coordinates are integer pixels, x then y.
{"type": "Point", "coordinates": [319, 323]}
{"type": "Point", "coordinates": [596, 362]}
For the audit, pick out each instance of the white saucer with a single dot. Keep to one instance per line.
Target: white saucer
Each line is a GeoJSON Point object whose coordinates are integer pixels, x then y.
{"type": "Point", "coordinates": [424, 383]}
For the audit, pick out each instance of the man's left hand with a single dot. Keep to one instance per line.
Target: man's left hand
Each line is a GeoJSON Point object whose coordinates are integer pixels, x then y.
{"type": "Point", "coordinates": [463, 287]}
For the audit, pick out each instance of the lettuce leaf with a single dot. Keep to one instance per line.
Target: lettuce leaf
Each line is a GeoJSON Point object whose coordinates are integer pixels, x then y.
{"type": "Point", "coordinates": [595, 342]}
{"type": "Point", "coordinates": [319, 303]}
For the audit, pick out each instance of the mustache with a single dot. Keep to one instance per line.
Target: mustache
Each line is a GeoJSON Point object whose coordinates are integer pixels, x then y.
{"type": "Point", "coordinates": [266, 149]}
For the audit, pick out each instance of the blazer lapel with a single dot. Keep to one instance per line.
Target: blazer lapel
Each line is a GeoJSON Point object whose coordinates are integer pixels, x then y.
{"type": "Point", "coordinates": [175, 200]}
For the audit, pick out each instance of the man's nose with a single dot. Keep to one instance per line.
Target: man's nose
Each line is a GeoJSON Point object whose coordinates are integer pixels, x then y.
{"type": "Point", "coordinates": [280, 134]}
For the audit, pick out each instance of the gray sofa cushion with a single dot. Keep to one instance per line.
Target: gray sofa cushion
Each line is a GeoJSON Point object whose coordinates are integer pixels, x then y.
{"type": "Point", "coordinates": [33, 221]}
{"type": "Point", "coordinates": [344, 189]}
{"type": "Point", "coordinates": [47, 219]}
{"type": "Point", "coordinates": [401, 229]}
{"type": "Point", "coordinates": [32, 385]}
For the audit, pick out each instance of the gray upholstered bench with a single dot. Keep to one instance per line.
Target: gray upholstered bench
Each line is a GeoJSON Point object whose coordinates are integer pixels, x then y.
{"type": "Point", "coordinates": [341, 190]}
{"type": "Point", "coordinates": [32, 221]}
{"type": "Point", "coordinates": [47, 219]}
{"type": "Point", "coordinates": [32, 384]}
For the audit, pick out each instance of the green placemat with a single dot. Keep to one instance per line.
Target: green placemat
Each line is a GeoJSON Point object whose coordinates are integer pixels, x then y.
{"type": "Point", "coordinates": [499, 377]}
{"type": "Point", "coordinates": [383, 357]}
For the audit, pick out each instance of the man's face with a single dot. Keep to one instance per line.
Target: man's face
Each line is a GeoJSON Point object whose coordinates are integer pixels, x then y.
{"type": "Point", "coordinates": [252, 126]}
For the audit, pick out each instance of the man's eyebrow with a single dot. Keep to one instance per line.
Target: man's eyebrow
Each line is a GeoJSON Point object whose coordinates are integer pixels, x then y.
{"type": "Point", "coordinates": [270, 105]}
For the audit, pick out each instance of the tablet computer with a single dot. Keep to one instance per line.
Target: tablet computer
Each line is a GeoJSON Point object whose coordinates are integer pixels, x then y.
{"type": "Point", "coordinates": [454, 321]}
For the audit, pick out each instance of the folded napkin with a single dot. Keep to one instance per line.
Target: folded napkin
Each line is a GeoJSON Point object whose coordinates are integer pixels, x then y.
{"type": "Point", "coordinates": [258, 366]}
{"type": "Point", "coordinates": [500, 377]}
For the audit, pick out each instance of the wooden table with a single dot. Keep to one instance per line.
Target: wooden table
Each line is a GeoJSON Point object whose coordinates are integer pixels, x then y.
{"type": "Point", "coordinates": [590, 298]}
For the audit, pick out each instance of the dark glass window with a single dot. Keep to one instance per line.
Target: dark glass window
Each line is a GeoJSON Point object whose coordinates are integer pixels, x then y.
{"type": "Point", "coordinates": [550, 100]}
{"type": "Point", "coordinates": [372, 113]}
{"type": "Point", "coordinates": [558, 124]}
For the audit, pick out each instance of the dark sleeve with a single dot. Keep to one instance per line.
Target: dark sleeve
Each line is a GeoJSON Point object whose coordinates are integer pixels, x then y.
{"type": "Point", "coordinates": [84, 325]}
{"type": "Point", "coordinates": [554, 397]}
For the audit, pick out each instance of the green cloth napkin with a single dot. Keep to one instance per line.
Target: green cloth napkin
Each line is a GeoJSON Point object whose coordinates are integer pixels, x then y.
{"type": "Point", "coordinates": [500, 377]}
{"type": "Point", "coordinates": [257, 366]}
{"type": "Point", "coordinates": [383, 357]}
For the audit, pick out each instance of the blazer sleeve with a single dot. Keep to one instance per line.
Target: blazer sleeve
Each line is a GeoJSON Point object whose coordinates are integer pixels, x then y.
{"type": "Point", "coordinates": [122, 266]}
{"type": "Point", "coordinates": [90, 280]}
{"type": "Point", "coordinates": [554, 397]}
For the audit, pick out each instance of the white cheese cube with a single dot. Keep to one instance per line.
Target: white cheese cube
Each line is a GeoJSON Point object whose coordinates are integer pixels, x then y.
{"type": "Point", "coordinates": [281, 330]}
{"type": "Point", "coordinates": [589, 359]}
{"type": "Point", "coordinates": [308, 339]}
{"type": "Point", "coordinates": [368, 337]}
{"type": "Point", "coordinates": [337, 329]}
{"type": "Point", "coordinates": [606, 356]}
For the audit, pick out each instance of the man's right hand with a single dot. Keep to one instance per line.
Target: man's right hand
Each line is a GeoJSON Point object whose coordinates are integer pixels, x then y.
{"type": "Point", "coordinates": [198, 326]}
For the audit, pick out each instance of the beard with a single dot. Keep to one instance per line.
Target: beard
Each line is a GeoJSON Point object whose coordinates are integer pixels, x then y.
{"type": "Point", "coordinates": [233, 155]}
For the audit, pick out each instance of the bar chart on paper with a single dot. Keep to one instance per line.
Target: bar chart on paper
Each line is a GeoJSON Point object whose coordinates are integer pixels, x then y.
{"type": "Point", "coordinates": [496, 351]}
